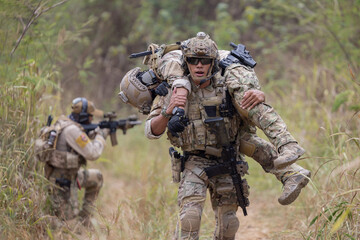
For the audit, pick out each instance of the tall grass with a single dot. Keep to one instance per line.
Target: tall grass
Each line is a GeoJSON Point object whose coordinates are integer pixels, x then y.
{"type": "Point", "coordinates": [22, 195]}
{"type": "Point", "coordinates": [328, 130]}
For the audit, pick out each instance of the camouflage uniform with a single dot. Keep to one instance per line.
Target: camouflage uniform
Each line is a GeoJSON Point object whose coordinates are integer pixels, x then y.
{"type": "Point", "coordinates": [239, 80]}
{"type": "Point", "coordinates": [196, 137]}
{"type": "Point", "coordinates": [192, 189]}
{"type": "Point", "coordinates": [73, 148]}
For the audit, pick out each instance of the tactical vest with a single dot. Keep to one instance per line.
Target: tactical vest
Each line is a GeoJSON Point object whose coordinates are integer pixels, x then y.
{"type": "Point", "coordinates": [59, 154]}
{"type": "Point", "coordinates": [198, 135]}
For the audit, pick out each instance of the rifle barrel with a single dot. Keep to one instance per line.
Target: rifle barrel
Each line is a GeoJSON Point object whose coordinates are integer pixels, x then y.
{"type": "Point", "coordinates": [141, 54]}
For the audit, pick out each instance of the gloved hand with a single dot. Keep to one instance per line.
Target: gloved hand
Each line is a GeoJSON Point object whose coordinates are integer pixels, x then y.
{"type": "Point", "coordinates": [103, 132]}
{"type": "Point", "coordinates": [177, 122]}
{"type": "Point", "coordinates": [162, 89]}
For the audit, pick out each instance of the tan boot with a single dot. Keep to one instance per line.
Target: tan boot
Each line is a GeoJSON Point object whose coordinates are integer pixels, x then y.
{"type": "Point", "coordinates": [289, 153]}
{"type": "Point", "coordinates": [86, 213]}
{"type": "Point", "coordinates": [293, 183]}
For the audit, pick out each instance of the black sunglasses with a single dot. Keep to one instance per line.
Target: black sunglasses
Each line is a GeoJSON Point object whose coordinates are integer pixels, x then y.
{"type": "Point", "coordinates": [195, 61]}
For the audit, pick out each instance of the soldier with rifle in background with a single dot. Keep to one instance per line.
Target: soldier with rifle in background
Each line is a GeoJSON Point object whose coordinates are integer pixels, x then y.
{"type": "Point", "coordinates": [66, 146]}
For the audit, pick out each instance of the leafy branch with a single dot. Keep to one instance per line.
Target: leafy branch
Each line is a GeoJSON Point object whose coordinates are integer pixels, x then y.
{"type": "Point", "coordinates": [40, 9]}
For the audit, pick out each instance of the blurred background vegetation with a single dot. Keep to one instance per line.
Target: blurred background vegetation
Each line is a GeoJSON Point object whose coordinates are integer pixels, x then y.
{"type": "Point", "coordinates": [308, 55]}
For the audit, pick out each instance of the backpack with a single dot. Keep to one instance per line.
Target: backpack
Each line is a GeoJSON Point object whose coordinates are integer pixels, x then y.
{"type": "Point", "coordinates": [152, 60]}
{"type": "Point", "coordinates": [45, 144]}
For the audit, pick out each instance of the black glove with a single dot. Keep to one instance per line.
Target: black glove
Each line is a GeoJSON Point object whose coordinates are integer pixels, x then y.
{"type": "Point", "coordinates": [162, 89]}
{"type": "Point", "coordinates": [177, 122]}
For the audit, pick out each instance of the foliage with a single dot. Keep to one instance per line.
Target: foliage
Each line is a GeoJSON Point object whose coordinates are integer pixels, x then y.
{"type": "Point", "coordinates": [308, 55]}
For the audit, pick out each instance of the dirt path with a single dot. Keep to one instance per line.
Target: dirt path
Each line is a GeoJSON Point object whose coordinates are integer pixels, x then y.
{"type": "Point", "coordinates": [261, 222]}
{"type": "Point", "coordinates": [266, 217]}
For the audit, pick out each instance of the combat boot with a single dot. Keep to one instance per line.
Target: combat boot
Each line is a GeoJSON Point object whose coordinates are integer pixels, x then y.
{"type": "Point", "coordinates": [289, 153]}
{"type": "Point", "coordinates": [86, 213]}
{"type": "Point", "coordinates": [293, 183]}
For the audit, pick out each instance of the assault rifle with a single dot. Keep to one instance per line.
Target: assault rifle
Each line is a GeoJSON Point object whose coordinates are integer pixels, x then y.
{"type": "Point", "coordinates": [165, 49]}
{"type": "Point", "coordinates": [229, 166]}
{"type": "Point", "coordinates": [142, 54]}
{"type": "Point", "coordinates": [113, 125]}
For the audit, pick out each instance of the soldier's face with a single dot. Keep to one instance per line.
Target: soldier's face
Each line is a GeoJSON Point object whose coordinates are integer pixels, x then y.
{"type": "Point", "coordinates": [199, 70]}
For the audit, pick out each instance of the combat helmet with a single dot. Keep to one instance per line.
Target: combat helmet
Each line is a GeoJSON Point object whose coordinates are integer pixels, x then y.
{"type": "Point", "coordinates": [82, 109]}
{"type": "Point", "coordinates": [201, 46]}
{"type": "Point", "coordinates": [134, 92]}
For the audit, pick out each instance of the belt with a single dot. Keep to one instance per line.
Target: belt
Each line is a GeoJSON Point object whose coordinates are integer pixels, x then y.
{"type": "Point", "coordinates": [201, 153]}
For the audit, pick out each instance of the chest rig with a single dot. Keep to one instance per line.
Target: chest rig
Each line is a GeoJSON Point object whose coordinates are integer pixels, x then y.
{"type": "Point", "coordinates": [204, 104]}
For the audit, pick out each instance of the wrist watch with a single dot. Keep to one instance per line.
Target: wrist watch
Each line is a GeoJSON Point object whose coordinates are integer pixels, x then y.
{"type": "Point", "coordinates": [165, 115]}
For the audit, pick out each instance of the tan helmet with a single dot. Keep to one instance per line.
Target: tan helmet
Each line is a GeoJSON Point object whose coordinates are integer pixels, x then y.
{"type": "Point", "coordinates": [201, 46]}
{"type": "Point", "coordinates": [134, 92]}
{"type": "Point", "coordinates": [83, 108]}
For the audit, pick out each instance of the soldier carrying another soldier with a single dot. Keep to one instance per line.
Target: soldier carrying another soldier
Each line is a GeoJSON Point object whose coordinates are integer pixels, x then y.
{"type": "Point", "coordinates": [213, 98]}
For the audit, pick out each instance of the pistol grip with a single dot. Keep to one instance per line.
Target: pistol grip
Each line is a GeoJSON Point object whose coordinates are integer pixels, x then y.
{"type": "Point", "coordinates": [113, 139]}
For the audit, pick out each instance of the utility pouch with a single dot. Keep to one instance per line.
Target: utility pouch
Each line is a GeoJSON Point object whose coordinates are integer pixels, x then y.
{"type": "Point", "coordinates": [247, 148]}
{"type": "Point", "coordinates": [175, 165]}
{"type": "Point", "coordinates": [63, 182]}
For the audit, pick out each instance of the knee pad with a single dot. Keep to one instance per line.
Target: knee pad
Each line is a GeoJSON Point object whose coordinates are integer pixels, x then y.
{"type": "Point", "coordinates": [96, 177]}
{"type": "Point", "coordinates": [91, 179]}
{"type": "Point", "coordinates": [190, 219]}
{"type": "Point", "coordinates": [230, 224]}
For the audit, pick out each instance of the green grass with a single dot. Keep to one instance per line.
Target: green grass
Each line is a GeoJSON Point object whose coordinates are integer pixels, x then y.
{"type": "Point", "coordinates": [138, 172]}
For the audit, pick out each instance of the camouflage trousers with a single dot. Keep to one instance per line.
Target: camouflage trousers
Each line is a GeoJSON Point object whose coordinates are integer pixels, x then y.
{"type": "Point", "coordinates": [270, 122]}
{"type": "Point", "coordinates": [193, 188]}
{"type": "Point", "coordinates": [64, 193]}
{"type": "Point", "coordinates": [192, 195]}
{"type": "Point", "coordinates": [264, 153]}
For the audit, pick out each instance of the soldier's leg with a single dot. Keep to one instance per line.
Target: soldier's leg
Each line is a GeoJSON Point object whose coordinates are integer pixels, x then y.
{"type": "Point", "coordinates": [266, 118]}
{"type": "Point", "coordinates": [91, 180]}
{"type": "Point", "coordinates": [63, 193]}
{"type": "Point", "coordinates": [270, 122]}
{"type": "Point", "coordinates": [191, 200]}
{"type": "Point", "coordinates": [293, 177]}
{"type": "Point", "coordinates": [224, 204]}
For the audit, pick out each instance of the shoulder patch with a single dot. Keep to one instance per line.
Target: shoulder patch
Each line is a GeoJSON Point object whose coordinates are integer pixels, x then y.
{"type": "Point", "coordinates": [82, 140]}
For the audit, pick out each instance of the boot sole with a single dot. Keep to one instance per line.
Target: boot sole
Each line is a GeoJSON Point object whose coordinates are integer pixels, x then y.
{"type": "Point", "coordinates": [280, 163]}
{"type": "Point", "coordinates": [294, 195]}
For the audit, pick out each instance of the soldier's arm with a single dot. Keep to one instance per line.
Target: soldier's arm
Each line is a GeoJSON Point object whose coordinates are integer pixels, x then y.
{"type": "Point", "coordinates": [243, 84]}
{"type": "Point", "coordinates": [156, 123]}
{"type": "Point", "coordinates": [252, 98]}
{"type": "Point", "coordinates": [171, 70]}
{"type": "Point", "coordinates": [81, 143]}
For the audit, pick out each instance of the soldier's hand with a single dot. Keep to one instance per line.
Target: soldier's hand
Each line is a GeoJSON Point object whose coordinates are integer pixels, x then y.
{"type": "Point", "coordinates": [177, 122]}
{"type": "Point", "coordinates": [162, 89]}
{"type": "Point", "coordinates": [103, 132]}
{"type": "Point", "coordinates": [252, 98]}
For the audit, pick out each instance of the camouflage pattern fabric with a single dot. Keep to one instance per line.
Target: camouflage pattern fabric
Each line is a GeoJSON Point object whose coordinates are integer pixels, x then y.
{"type": "Point", "coordinates": [240, 79]}
{"type": "Point", "coordinates": [192, 191]}
{"type": "Point", "coordinates": [192, 196]}
{"type": "Point", "coordinates": [63, 171]}
{"type": "Point", "coordinates": [64, 199]}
